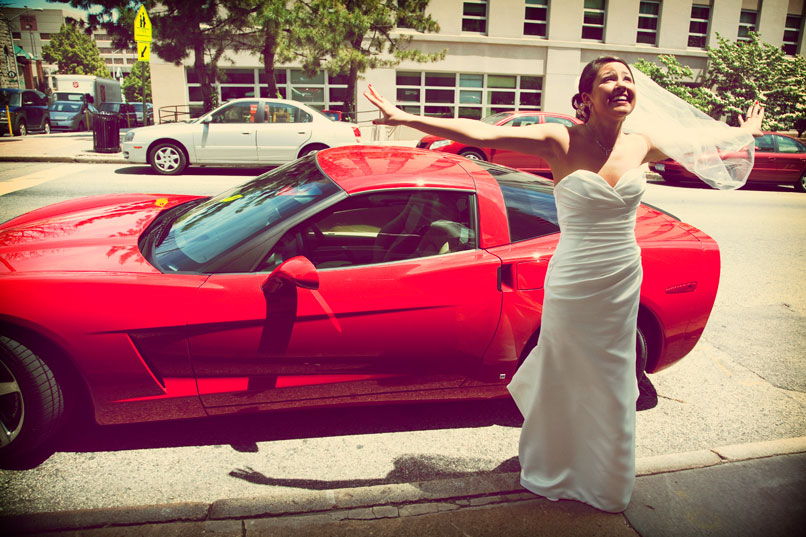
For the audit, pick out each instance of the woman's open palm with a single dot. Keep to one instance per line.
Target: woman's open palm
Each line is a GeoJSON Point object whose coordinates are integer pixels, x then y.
{"type": "Point", "coordinates": [390, 112]}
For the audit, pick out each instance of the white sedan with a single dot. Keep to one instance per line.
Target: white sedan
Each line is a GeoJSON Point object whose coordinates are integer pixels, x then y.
{"type": "Point", "coordinates": [248, 131]}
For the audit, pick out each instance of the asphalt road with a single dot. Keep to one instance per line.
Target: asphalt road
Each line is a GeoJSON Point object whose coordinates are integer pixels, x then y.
{"type": "Point", "coordinates": [744, 382]}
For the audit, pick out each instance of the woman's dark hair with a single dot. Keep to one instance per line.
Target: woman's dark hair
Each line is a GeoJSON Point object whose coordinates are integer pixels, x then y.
{"type": "Point", "coordinates": [586, 83]}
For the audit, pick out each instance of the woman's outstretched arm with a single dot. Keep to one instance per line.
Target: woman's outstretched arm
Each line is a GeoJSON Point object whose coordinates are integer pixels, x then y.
{"type": "Point", "coordinates": [534, 139]}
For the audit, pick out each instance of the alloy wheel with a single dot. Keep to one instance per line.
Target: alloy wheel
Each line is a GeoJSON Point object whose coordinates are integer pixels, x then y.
{"type": "Point", "coordinates": [12, 406]}
{"type": "Point", "coordinates": [167, 159]}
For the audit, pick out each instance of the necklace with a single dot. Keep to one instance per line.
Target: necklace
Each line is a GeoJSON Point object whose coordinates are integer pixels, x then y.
{"type": "Point", "coordinates": [602, 146]}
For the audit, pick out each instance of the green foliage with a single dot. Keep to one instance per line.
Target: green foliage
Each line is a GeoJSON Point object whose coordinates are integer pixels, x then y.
{"type": "Point", "coordinates": [738, 74]}
{"type": "Point", "coordinates": [74, 52]}
{"type": "Point", "coordinates": [347, 37]}
{"type": "Point", "coordinates": [133, 84]}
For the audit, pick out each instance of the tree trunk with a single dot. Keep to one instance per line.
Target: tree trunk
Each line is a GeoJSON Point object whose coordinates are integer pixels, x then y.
{"type": "Point", "coordinates": [268, 64]}
{"type": "Point", "coordinates": [202, 74]}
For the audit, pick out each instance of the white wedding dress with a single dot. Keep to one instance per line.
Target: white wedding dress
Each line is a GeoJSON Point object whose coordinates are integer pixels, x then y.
{"type": "Point", "coordinates": [577, 389]}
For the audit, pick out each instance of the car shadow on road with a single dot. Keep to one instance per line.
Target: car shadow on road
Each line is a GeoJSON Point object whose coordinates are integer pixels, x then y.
{"type": "Point", "coordinates": [196, 171]}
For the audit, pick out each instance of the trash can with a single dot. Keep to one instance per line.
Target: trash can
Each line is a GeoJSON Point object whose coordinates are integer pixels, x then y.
{"type": "Point", "coordinates": [106, 133]}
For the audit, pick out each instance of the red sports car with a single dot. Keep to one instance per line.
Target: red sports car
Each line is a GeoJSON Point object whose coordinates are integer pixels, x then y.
{"type": "Point", "coordinates": [513, 159]}
{"type": "Point", "coordinates": [780, 160]}
{"type": "Point", "coordinates": [353, 275]}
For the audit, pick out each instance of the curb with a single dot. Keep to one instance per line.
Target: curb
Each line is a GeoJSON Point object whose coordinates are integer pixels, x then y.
{"type": "Point", "coordinates": [380, 501]}
{"type": "Point", "coordinates": [56, 158]}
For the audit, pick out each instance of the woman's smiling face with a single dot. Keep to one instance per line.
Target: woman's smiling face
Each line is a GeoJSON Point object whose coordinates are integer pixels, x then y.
{"type": "Point", "coordinates": [613, 91]}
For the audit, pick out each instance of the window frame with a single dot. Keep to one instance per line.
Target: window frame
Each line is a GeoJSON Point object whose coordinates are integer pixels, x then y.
{"type": "Point", "coordinates": [791, 46]}
{"type": "Point", "coordinates": [533, 7]}
{"type": "Point", "coordinates": [649, 16]}
{"type": "Point", "coordinates": [747, 26]}
{"type": "Point", "coordinates": [585, 25]}
{"type": "Point", "coordinates": [692, 21]}
{"type": "Point", "coordinates": [476, 18]}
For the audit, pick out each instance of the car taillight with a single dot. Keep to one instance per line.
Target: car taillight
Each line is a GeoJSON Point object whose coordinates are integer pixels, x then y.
{"type": "Point", "coordinates": [357, 133]}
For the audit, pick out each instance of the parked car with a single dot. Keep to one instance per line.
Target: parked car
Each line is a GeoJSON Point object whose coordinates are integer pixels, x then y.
{"type": "Point", "coordinates": [779, 160]}
{"type": "Point", "coordinates": [353, 275]}
{"type": "Point", "coordinates": [28, 111]}
{"type": "Point", "coordinates": [138, 109]}
{"type": "Point", "coordinates": [255, 132]}
{"type": "Point", "coordinates": [513, 159]}
{"type": "Point", "coordinates": [71, 115]}
{"type": "Point", "coordinates": [125, 111]}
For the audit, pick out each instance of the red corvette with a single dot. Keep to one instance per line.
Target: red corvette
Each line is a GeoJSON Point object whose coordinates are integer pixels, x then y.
{"type": "Point", "coordinates": [513, 159]}
{"type": "Point", "coordinates": [353, 275]}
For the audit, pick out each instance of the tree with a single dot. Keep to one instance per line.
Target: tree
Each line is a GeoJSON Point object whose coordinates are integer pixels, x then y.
{"type": "Point", "coordinates": [738, 74]}
{"type": "Point", "coordinates": [74, 52]}
{"type": "Point", "coordinates": [133, 84]}
{"type": "Point", "coordinates": [347, 37]}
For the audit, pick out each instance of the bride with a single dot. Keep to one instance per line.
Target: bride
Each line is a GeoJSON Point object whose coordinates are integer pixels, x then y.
{"type": "Point", "coordinates": [577, 389]}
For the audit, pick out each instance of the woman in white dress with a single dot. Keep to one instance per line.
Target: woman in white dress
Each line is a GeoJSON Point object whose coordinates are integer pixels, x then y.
{"type": "Point", "coordinates": [577, 389]}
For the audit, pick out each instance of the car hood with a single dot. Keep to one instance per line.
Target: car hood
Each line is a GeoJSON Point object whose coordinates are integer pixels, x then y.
{"type": "Point", "coordinates": [95, 234]}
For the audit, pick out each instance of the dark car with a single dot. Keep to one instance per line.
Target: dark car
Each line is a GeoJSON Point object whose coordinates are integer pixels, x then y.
{"type": "Point", "coordinates": [71, 115]}
{"type": "Point", "coordinates": [513, 159]}
{"type": "Point", "coordinates": [125, 111]}
{"type": "Point", "coordinates": [779, 160]}
{"type": "Point", "coordinates": [138, 109]}
{"type": "Point", "coordinates": [28, 109]}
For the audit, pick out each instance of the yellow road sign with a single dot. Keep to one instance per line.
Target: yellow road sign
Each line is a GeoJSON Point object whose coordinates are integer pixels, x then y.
{"type": "Point", "coordinates": [142, 26]}
{"type": "Point", "coordinates": [143, 52]}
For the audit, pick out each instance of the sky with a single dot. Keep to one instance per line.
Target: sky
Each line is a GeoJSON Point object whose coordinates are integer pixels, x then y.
{"type": "Point", "coordinates": [43, 4]}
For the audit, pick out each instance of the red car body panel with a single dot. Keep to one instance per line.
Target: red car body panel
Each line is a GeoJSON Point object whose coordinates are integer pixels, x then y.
{"type": "Point", "coordinates": [504, 157]}
{"type": "Point", "coordinates": [153, 346]}
{"type": "Point", "coordinates": [771, 165]}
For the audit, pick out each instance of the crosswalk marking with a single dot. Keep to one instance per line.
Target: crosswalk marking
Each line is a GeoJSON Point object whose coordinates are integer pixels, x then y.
{"type": "Point", "coordinates": [42, 176]}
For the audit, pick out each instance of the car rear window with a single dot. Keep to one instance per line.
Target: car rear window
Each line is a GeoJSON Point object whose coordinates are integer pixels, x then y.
{"type": "Point", "coordinates": [531, 211]}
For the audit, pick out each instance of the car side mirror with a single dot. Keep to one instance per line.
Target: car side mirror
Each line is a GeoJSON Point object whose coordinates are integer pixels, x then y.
{"type": "Point", "coordinates": [297, 270]}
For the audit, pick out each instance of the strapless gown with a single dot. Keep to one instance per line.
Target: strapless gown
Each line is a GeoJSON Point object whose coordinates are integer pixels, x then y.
{"type": "Point", "coordinates": [577, 389]}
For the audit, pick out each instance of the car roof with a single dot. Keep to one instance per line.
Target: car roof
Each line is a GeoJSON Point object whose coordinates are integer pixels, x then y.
{"type": "Point", "coordinates": [359, 168]}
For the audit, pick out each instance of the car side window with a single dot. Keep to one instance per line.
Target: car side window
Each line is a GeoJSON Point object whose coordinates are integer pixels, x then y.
{"type": "Point", "coordinates": [286, 113]}
{"type": "Point", "coordinates": [28, 98]}
{"type": "Point", "coordinates": [561, 120]}
{"type": "Point", "coordinates": [523, 121]}
{"type": "Point", "coordinates": [765, 144]}
{"type": "Point", "coordinates": [788, 145]}
{"type": "Point", "coordinates": [382, 227]}
{"type": "Point", "coordinates": [240, 112]}
{"type": "Point", "coordinates": [531, 211]}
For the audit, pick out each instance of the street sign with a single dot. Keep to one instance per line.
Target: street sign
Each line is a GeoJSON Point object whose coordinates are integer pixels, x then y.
{"type": "Point", "coordinates": [142, 26]}
{"type": "Point", "coordinates": [143, 52]}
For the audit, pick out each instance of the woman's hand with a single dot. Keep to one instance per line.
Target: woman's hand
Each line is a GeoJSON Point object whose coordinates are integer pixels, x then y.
{"type": "Point", "coordinates": [755, 115]}
{"type": "Point", "coordinates": [391, 115]}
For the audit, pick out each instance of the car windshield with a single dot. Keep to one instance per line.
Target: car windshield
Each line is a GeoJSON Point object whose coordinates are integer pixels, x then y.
{"type": "Point", "coordinates": [65, 107]}
{"type": "Point", "coordinates": [222, 223]}
{"type": "Point", "coordinates": [10, 98]}
{"type": "Point", "coordinates": [109, 107]}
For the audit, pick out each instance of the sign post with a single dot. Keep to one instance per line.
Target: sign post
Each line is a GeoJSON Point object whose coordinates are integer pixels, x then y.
{"type": "Point", "coordinates": [142, 34]}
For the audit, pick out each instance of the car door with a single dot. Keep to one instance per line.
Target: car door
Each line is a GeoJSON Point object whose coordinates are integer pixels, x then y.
{"type": "Point", "coordinates": [790, 161]}
{"type": "Point", "coordinates": [406, 301]}
{"type": "Point", "coordinates": [35, 109]}
{"type": "Point", "coordinates": [514, 159]}
{"type": "Point", "coordinates": [283, 133]}
{"type": "Point", "coordinates": [228, 135]}
{"type": "Point", "coordinates": [764, 166]}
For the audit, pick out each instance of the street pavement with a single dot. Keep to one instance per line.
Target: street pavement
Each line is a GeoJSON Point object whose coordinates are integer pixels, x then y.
{"type": "Point", "coordinates": [740, 490]}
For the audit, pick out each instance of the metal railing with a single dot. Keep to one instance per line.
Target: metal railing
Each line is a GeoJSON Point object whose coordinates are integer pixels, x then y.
{"type": "Point", "coordinates": [172, 113]}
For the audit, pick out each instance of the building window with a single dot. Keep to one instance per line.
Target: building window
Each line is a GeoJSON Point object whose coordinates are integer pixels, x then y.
{"type": "Point", "coordinates": [474, 16]}
{"type": "Point", "coordinates": [16, 35]}
{"type": "Point", "coordinates": [698, 27]}
{"type": "Point", "coordinates": [747, 23]}
{"type": "Point", "coordinates": [648, 15]}
{"type": "Point", "coordinates": [466, 95]}
{"type": "Point", "coordinates": [594, 20]}
{"type": "Point", "coordinates": [321, 91]}
{"type": "Point", "coordinates": [535, 20]}
{"type": "Point", "coordinates": [794, 24]}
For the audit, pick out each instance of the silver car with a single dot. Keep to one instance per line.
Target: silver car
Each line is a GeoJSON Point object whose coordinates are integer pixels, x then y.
{"type": "Point", "coordinates": [71, 115]}
{"type": "Point", "coordinates": [251, 131]}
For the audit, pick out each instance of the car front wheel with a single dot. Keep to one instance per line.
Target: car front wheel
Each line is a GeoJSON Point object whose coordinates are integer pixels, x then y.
{"type": "Point", "coordinates": [800, 186]}
{"type": "Point", "coordinates": [31, 400]}
{"type": "Point", "coordinates": [167, 159]}
{"type": "Point", "coordinates": [22, 129]}
{"type": "Point", "coordinates": [46, 130]}
{"type": "Point", "coordinates": [472, 154]}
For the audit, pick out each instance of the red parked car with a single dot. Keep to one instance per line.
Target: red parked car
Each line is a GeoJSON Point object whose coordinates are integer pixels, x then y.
{"type": "Point", "coordinates": [513, 159]}
{"type": "Point", "coordinates": [356, 274]}
{"type": "Point", "coordinates": [780, 160]}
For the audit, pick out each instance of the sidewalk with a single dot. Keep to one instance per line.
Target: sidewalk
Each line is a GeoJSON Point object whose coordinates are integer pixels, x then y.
{"type": "Point", "coordinates": [732, 491]}
{"type": "Point", "coordinates": [61, 147]}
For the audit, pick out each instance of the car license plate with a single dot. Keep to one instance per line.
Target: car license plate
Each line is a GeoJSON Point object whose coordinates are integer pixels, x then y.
{"type": "Point", "coordinates": [660, 167]}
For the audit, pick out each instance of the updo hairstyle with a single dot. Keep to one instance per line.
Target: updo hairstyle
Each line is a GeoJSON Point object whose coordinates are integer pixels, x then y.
{"type": "Point", "coordinates": [586, 83]}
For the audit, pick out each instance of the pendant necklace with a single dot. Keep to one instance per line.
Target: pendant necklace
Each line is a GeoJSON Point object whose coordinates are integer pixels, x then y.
{"type": "Point", "coordinates": [602, 146]}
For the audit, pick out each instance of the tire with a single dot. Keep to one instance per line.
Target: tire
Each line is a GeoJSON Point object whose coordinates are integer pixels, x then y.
{"type": "Point", "coordinates": [81, 127]}
{"type": "Point", "coordinates": [31, 401]}
{"type": "Point", "coordinates": [472, 154]}
{"type": "Point", "coordinates": [167, 159]}
{"type": "Point", "coordinates": [307, 150]}
{"type": "Point", "coordinates": [46, 130]}
{"type": "Point", "coordinates": [22, 129]}
{"type": "Point", "coordinates": [800, 186]}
